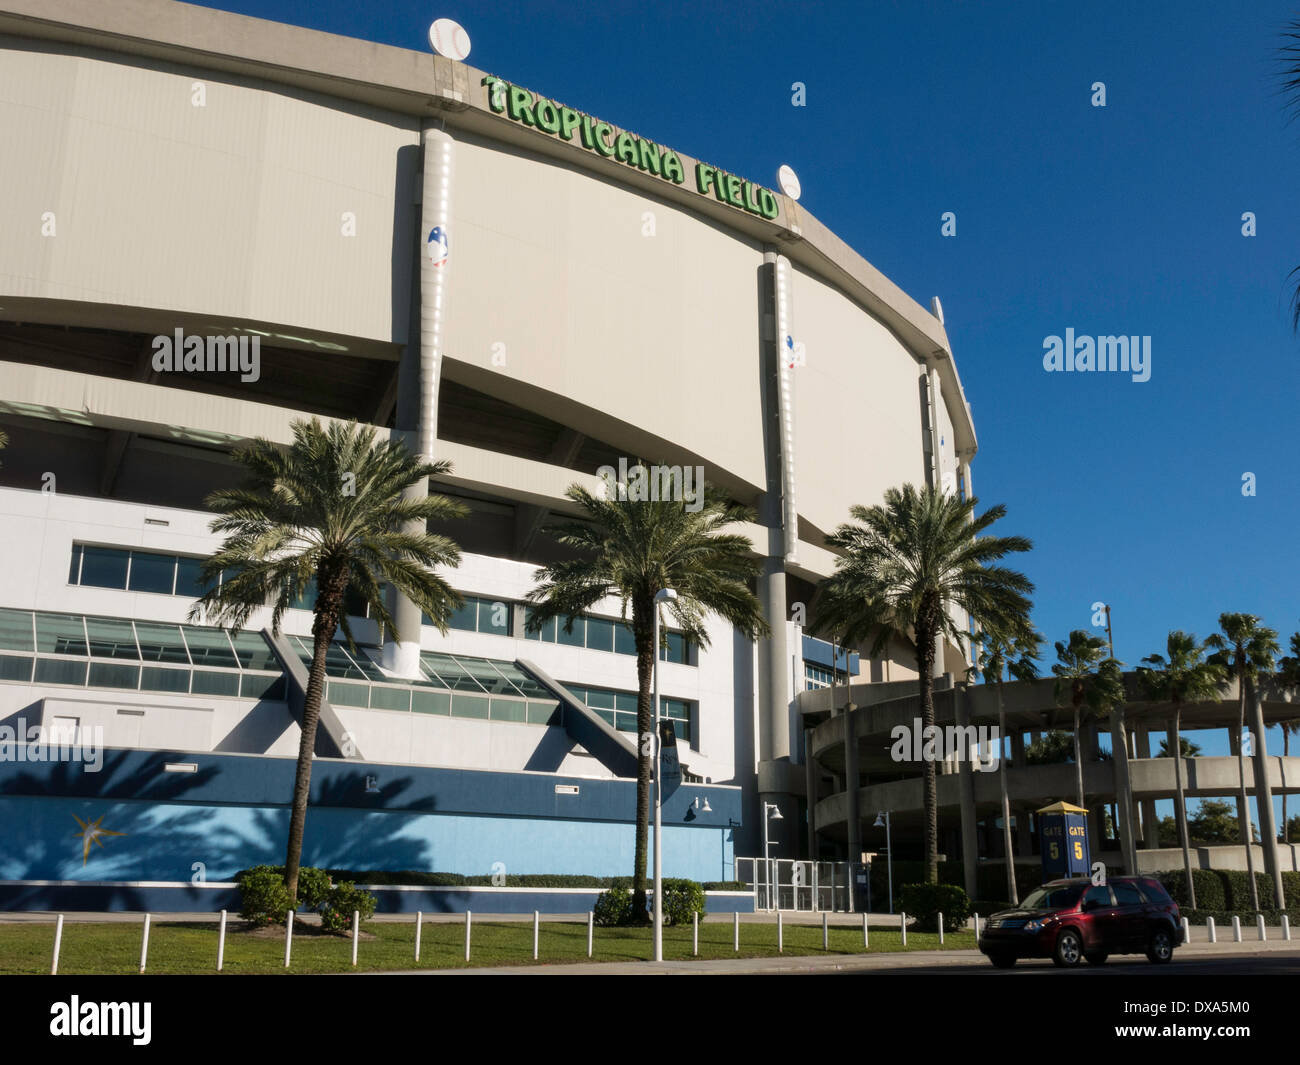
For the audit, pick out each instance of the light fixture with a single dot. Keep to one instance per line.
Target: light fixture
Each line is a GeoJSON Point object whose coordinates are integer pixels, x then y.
{"type": "Point", "coordinates": [707, 808]}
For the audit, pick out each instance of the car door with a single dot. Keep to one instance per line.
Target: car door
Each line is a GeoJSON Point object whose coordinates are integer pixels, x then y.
{"type": "Point", "coordinates": [1101, 920]}
{"type": "Point", "coordinates": [1131, 916]}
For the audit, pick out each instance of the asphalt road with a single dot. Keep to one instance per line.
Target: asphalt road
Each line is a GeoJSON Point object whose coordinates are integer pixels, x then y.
{"type": "Point", "coordinates": [1265, 964]}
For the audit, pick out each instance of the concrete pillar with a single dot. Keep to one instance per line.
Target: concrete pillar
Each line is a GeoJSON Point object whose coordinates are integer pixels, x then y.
{"type": "Point", "coordinates": [420, 370]}
{"type": "Point", "coordinates": [962, 699]}
{"type": "Point", "coordinates": [1123, 790]}
{"type": "Point", "coordinates": [1264, 797]}
{"type": "Point", "coordinates": [1024, 842]}
{"type": "Point", "coordinates": [1150, 823]}
{"type": "Point", "coordinates": [1245, 826]}
{"type": "Point", "coordinates": [811, 772]}
{"type": "Point", "coordinates": [852, 774]}
{"type": "Point", "coordinates": [1017, 748]}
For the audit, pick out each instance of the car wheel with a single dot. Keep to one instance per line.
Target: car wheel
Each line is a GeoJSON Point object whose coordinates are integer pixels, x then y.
{"type": "Point", "coordinates": [1096, 958]}
{"type": "Point", "coordinates": [1161, 948]}
{"type": "Point", "coordinates": [1069, 949]}
{"type": "Point", "coordinates": [1002, 961]}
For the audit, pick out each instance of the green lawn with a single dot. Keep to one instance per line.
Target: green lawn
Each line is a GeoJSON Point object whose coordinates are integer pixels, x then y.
{"type": "Point", "coordinates": [93, 949]}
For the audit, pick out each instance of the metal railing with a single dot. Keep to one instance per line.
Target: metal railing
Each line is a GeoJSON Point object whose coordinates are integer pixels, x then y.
{"type": "Point", "coordinates": [797, 884]}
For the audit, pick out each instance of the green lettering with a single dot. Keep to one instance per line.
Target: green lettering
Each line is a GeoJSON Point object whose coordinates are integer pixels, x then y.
{"type": "Point", "coordinates": [733, 190]}
{"type": "Point", "coordinates": [650, 161]}
{"type": "Point", "coordinates": [767, 204]}
{"type": "Point", "coordinates": [673, 167]}
{"type": "Point", "coordinates": [568, 123]}
{"type": "Point", "coordinates": [625, 149]}
{"type": "Point", "coordinates": [704, 175]}
{"type": "Point", "coordinates": [548, 115]}
{"type": "Point", "coordinates": [521, 105]}
{"type": "Point", "coordinates": [588, 138]}
{"type": "Point", "coordinates": [495, 98]}
{"type": "Point", "coordinates": [604, 131]}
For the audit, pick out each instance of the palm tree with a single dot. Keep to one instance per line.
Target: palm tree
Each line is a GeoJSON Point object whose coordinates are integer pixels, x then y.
{"type": "Point", "coordinates": [329, 509]}
{"type": "Point", "coordinates": [1290, 57]}
{"type": "Point", "coordinates": [634, 549]}
{"type": "Point", "coordinates": [1186, 748]}
{"type": "Point", "coordinates": [1288, 675]}
{"type": "Point", "coordinates": [1183, 677]}
{"type": "Point", "coordinates": [1091, 678]}
{"type": "Point", "coordinates": [1016, 653]}
{"type": "Point", "coordinates": [1245, 648]}
{"type": "Point", "coordinates": [906, 566]}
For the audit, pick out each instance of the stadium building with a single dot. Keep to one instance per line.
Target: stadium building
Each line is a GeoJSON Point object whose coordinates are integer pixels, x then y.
{"type": "Point", "coordinates": [525, 289]}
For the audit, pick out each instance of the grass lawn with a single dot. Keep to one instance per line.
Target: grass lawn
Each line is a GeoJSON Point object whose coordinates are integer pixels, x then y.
{"type": "Point", "coordinates": [113, 949]}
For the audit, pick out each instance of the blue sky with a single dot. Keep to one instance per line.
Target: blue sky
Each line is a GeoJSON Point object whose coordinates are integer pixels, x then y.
{"type": "Point", "coordinates": [1117, 220]}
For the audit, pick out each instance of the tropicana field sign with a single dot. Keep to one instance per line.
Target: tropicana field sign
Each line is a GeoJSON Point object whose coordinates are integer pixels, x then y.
{"type": "Point", "coordinates": [529, 109]}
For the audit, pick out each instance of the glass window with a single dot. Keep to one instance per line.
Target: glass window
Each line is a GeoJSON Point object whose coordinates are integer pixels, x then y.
{"type": "Point", "coordinates": [74, 570]}
{"type": "Point", "coordinates": [60, 634]}
{"type": "Point", "coordinates": [16, 630]}
{"type": "Point", "coordinates": [488, 676]}
{"type": "Point", "coordinates": [600, 634]}
{"type": "Point", "coordinates": [161, 643]}
{"type": "Point", "coordinates": [600, 698]}
{"type": "Point", "coordinates": [547, 632]}
{"type": "Point", "coordinates": [261, 686]}
{"type": "Point", "coordinates": [521, 680]}
{"type": "Point", "coordinates": [155, 679]}
{"type": "Point", "coordinates": [189, 581]}
{"type": "Point", "coordinates": [625, 701]}
{"type": "Point", "coordinates": [465, 617]}
{"type": "Point", "coordinates": [494, 617]}
{"type": "Point", "coordinates": [430, 702]}
{"type": "Point", "coordinates": [113, 675]}
{"type": "Point", "coordinates": [1098, 895]}
{"type": "Point", "coordinates": [385, 698]}
{"type": "Point", "coordinates": [110, 638]}
{"type": "Point", "coordinates": [576, 638]}
{"type": "Point", "coordinates": [543, 713]}
{"type": "Point", "coordinates": [151, 572]}
{"type": "Point", "coordinates": [210, 647]}
{"type": "Point", "coordinates": [624, 639]}
{"type": "Point", "coordinates": [60, 671]}
{"type": "Point", "coordinates": [509, 710]}
{"type": "Point", "coordinates": [253, 651]}
{"type": "Point", "coordinates": [450, 671]}
{"type": "Point", "coordinates": [210, 682]}
{"type": "Point", "coordinates": [676, 649]}
{"type": "Point", "coordinates": [15, 667]}
{"type": "Point", "coordinates": [104, 567]}
{"type": "Point", "coordinates": [1126, 895]}
{"type": "Point", "coordinates": [343, 693]}
{"type": "Point", "coordinates": [465, 705]}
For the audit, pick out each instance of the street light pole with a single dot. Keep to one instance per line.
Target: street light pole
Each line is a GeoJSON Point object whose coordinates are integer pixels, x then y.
{"type": "Point", "coordinates": [661, 596]}
{"type": "Point", "coordinates": [883, 818]}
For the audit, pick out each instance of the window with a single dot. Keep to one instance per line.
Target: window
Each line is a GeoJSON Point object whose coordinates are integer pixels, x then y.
{"type": "Point", "coordinates": [1127, 895]}
{"type": "Point", "coordinates": [152, 573]}
{"type": "Point", "coordinates": [619, 708]}
{"type": "Point", "coordinates": [1097, 896]}
{"type": "Point", "coordinates": [816, 676]}
{"type": "Point", "coordinates": [494, 616]}
{"type": "Point", "coordinates": [104, 567]}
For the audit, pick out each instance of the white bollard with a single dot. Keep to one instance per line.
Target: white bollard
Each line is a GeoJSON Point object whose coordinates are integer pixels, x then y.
{"type": "Point", "coordinates": [419, 923]}
{"type": "Point", "coordinates": [536, 928]}
{"type": "Point", "coordinates": [221, 943]}
{"type": "Point", "coordinates": [591, 925]}
{"type": "Point", "coordinates": [1259, 924]}
{"type": "Point", "coordinates": [1236, 928]}
{"type": "Point", "coordinates": [941, 929]}
{"type": "Point", "coordinates": [1209, 928]}
{"type": "Point", "coordinates": [866, 936]}
{"type": "Point", "coordinates": [903, 926]}
{"type": "Point", "coordinates": [1286, 927]}
{"type": "Point", "coordinates": [735, 931]}
{"type": "Point", "coordinates": [144, 944]}
{"type": "Point", "coordinates": [695, 937]}
{"type": "Point", "coordinates": [467, 924]}
{"type": "Point", "coordinates": [826, 941]}
{"type": "Point", "coordinates": [1187, 931]}
{"type": "Point", "coordinates": [356, 933]}
{"type": "Point", "coordinates": [780, 934]}
{"type": "Point", "coordinates": [288, 938]}
{"type": "Point", "coordinates": [977, 927]}
{"type": "Point", "coordinates": [58, 942]}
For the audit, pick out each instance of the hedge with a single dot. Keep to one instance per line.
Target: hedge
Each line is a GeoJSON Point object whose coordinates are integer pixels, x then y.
{"type": "Point", "coordinates": [1227, 891]}
{"type": "Point", "coordinates": [414, 878]}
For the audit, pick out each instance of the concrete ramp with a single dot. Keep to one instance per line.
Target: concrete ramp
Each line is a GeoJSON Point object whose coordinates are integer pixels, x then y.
{"type": "Point", "coordinates": [331, 736]}
{"type": "Point", "coordinates": [615, 750]}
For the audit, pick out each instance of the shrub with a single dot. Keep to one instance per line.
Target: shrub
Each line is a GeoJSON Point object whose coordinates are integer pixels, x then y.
{"type": "Point", "coordinates": [728, 885]}
{"type": "Point", "coordinates": [263, 896]}
{"type": "Point", "coordinates": [337, 908]}
{"type": "Point", "coordinates": [926, 901]}
{"type": "Point", "coordinates": [1209, 888]}
{"type": "Point", "coordinates": [613, 907]}
{"type": "Point", "coordinates": [313, 887]}
{"type": "Point", "coordinates": [682, 900]}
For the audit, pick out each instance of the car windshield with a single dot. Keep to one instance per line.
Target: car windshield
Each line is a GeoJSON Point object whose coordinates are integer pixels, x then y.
{"type": "Point", "coordinates": [1052, 898]}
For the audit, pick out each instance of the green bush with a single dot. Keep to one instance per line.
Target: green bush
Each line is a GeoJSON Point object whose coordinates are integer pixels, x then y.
{"type": "Point", "coordinates": [682, 900]}
{"type": "Point", "coordinates": [926, 901]}
{"type": "Point", "coordinates": [725, 885]}
{"type": "Point", "coordinates": [313, 887]}
{"type": "Point", "coordinates": [263, 897]}
{"type": "Point", "coordinates": [613, 907]}
{"type": "Point", "coordinates": [1209, 888]}
{"type": "Point", "coordinates": [1291, 888]}
{"type": "Point", "coordinates": [337, 908]}
{"type": "Point", "coordinates": [1237, 889]}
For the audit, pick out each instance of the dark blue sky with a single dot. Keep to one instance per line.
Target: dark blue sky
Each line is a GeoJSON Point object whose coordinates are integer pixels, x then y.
{"type": "Point", "coordinates": [1117, 220]}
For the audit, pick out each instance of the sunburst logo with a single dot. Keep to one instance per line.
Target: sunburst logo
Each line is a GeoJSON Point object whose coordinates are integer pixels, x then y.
{"type": "Point", "coordinates": [91, 832]}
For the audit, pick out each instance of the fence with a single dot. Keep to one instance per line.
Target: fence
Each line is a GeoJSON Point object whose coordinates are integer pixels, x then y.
{"type": "Point", "coordinates": [797, 884]}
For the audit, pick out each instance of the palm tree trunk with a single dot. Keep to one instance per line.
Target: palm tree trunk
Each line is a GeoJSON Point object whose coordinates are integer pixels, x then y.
{"type": "Point", "coordinates": [1286, 753]}
{"type": "Point", "coordinates": [1180, 806]}
{"type": "Point", "coordinates": [643, 626]}
{"type": "Point", "coordinates": [1243, 807]}
{"type": "Point", "coordinates": [926, 631]}
{"type": "Point", "coordinates": [1012, 896]}
{"type": "Point", "coordinates": [1078, 757]}
{"type": "Point", "coordinates": [328, 604]}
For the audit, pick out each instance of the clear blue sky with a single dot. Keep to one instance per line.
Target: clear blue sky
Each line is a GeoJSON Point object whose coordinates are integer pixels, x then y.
{"type": "Point", "coordinates": [1117, 220]}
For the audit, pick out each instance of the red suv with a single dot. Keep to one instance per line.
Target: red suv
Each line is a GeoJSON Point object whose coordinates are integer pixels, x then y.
{"type": "Point", "coordinates": [1071, 919]}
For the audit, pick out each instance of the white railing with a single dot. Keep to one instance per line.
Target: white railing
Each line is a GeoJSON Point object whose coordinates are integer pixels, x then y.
{"type": "Point", "coordinates": [797, 884]}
